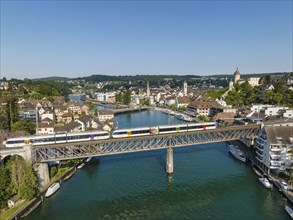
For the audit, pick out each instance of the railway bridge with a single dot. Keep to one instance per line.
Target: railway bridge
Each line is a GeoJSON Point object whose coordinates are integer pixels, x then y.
{"type": "Point", "coordinates": [40, 155]}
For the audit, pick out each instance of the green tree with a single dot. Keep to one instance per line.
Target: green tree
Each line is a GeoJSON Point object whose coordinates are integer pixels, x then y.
{"type": "Point", "coordinates": [4, 123]}
{"type": "Point", "coordinates": [23, 180]}
{"type": "Point", "coordinates": [173, 106]}
{"type": "Point", "coordinates": [27, 126]}
{"type": "Point", "coordinates": [53, 171]}
{"type": "Point", "coordinates": [5, 186]}
{"type": "Point", "coordinates": [11, 110]}
{"type": "Point", "coordinates": [91, 105]}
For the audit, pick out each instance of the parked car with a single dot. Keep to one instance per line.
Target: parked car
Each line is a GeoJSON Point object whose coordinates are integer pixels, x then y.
{"type": "Point", "coordinates": [284, 184]}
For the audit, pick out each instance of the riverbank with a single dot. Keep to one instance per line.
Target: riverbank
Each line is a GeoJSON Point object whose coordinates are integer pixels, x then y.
{"type": "Point", "coordinates": [27, 206]}
{"type": "Point", "coordinates": [251, 162]}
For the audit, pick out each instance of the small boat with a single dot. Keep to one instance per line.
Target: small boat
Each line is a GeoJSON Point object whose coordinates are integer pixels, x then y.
{"type": "Point", "coordinates": [80, 166]}
{"type": "Point", "coordinates": [237, 153]}
{"type": "Point", "coordinates": [52, 189]}
{"type": "Point", "coordinates": [68, 176]}
{"type": "Point", "coordinates": [289, 211]}
{"type": "Point", "coordinates": [88, 159]}
{"type": "Point", "coordinates": [265, 182]}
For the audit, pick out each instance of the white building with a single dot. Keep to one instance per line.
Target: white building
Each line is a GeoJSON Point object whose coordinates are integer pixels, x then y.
{"type": "Point", "coordinates": [105, 115]}
{"type": "Point", "coordinates": [288, 113]}
{"type": "Point", "coordinates": [273, 148]}
{"type": "Point", "coordinates": [271, 111]}
{"type": "Point", "coordinates": [258, 108]}
{"type": "Point", "coordinates": [170, 100]}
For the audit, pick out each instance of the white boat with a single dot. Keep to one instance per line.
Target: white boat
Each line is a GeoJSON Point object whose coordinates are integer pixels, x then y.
{"type": "Point", "coordinates": [237, 153]}
{"type": "Point", "coordinates": [88, 159]}
{"type": "Point", "coordinates": [80, 166]}
{"type": "Point", "coordinates": [52, 189]}
{"type": "Point", "coordinates": [265, 182]}
{"type": "Point", "coordinates": [289, 211]}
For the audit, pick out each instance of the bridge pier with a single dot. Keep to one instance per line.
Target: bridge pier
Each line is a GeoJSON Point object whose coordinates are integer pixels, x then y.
{"type": "Point", "coordinates": [169, 161]}
{"type": "Point", "coordinates": [42, 171]}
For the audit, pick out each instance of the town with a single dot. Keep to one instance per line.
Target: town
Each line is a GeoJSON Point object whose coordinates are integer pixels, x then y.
{"type": "Point", "coordinates": [48, 107]}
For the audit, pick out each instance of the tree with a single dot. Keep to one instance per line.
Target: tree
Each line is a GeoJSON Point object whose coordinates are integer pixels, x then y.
{"type": "Point", "coordinates": [5, 186]}
{"type": "Point", "coordinates": [173, 106]}
{"type": "Point", "coordinates": [27, 126]}
{"type": "Point", "coordinates": [23, 180]}
{"type": "Point", "coordinates": [11, 110]}
{"type": "Point", "coordinates": [4, 123]}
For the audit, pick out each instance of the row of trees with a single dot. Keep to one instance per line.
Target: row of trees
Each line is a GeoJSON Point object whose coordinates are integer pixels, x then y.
{"type": "Point", "coordinates": [17, 178]}
{"type": "Point", "coordinates": [124, 98]}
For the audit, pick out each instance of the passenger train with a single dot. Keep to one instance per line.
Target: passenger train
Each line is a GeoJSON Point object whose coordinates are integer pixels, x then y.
{"type": "Point", "coordinates": [101, 135]}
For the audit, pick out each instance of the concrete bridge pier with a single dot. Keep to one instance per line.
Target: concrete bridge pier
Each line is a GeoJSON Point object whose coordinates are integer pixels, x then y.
{"type": "Point", "coordinates": [169, 161]}
{"type": "Point", "coordinates": [42, 171]}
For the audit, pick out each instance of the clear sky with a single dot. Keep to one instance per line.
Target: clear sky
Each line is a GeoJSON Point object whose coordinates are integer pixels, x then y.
{"type": "Point", "coordinates": [80, 38]}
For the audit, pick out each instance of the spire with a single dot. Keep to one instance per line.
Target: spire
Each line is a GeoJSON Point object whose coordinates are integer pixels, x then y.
{"type": "Point", "coordinates": [148, 89]}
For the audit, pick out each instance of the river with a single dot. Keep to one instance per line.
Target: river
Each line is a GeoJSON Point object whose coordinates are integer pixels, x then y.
{"type": "Point", "coordinates": [207, 184]}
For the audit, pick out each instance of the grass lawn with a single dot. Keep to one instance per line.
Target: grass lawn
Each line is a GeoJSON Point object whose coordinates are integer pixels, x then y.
{"type": "Point", "coordinates": [6, 214]}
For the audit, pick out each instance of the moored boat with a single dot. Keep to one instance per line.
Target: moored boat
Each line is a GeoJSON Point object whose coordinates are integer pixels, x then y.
{"type": "Point", "coordinates": [88, 159]}
{"type": "Point", "coordinates": [69, 176]}
{"type": "Point", "coordinates": [52, 189]}
{"type": "Point", "coordinates": [289, 211]}
{"type": "Point", "coordinates": [265, 182]}
{"type": "Point", "coordinates": [80, 166]}
{"type": "Point", "coordinates": [237, 153]}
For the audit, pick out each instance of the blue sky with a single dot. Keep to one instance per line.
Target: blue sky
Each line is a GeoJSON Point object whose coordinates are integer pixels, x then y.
{"type": "Point", "coordinates": [79, 38]}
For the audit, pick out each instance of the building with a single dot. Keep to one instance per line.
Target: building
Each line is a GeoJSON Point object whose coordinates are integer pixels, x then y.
{"type": "Point", "coordinates": [205, 108]}
{"type": "Point", "coordinates": [45, 127]}
{"type": "Point", "coordinates": [236, 76]}
{"type": "Point", "coordinates": [85, 121]}
{"type": "Point", "coordinates": [73, 126]}
{"type": "Point", "coordinates": [288, 113]}
{"type": "Point", "coordinates": [185, 88]}
{"type": "Point", "coordinates": [272, 111]}
{"type": "Point", "coordinates": [13, 201]}
{"type": "Point", "coordinates": [170, 100]}
{"type": "Point", "coordinates": [274, 148]}
{"type": "Point", "coordinates": [105, 115]}
{"type": "Point", "coordinates": [182, 101]}
{"type": "Point", "coordinates": [148, 91]}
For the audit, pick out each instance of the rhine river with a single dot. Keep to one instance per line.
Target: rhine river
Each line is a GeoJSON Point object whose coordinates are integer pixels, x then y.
{"type": "Point", "coordinates": [207, 183]}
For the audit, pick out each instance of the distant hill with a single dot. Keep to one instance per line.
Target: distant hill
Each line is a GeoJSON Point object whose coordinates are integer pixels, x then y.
{"type": "Point", "coordinates": [56, 78]}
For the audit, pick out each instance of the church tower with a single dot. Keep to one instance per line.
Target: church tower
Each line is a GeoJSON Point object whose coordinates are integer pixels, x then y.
{"type": "Point", "coordinates": [185, 88]}
{"type": "Point", "coordinates": [236, 76]}
{"type": "Point", "coordinates": [148, 89]}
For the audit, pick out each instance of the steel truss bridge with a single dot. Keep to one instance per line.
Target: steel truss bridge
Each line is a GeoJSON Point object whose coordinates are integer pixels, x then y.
{"type": "Point", "coordinates": [111, 146]}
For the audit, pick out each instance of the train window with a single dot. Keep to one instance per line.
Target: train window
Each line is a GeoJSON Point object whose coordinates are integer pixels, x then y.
{"type": "Point", "coordinates": [60, 138]}
{"type": "Point", "coordinates": [15, 142]}
{"type": "Point", "coordinates": [167, 129]}
{"type": "Point", "coordinates": [140, 131]}
{"type": "Point", "coordinates": [194, 127]}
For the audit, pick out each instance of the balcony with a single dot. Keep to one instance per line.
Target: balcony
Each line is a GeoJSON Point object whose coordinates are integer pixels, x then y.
{"type": "Point", "coordinates": [276, 157]}
{"type": "Point", "coordinates": [274, 149]}
{"type": "Point", "coordinates": [259, 158]}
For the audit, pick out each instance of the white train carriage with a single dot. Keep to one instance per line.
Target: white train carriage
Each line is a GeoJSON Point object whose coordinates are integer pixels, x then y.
{"type": "Point", "coordinates": [201, 126]}
{"type": "Point", "coordinates": [87, 136]}
{"type": "Point", "coordinates": [166, 129]}
{"type": "Point", "coordinates": [56, 139]}
{"type": "Point", "coordinates": [133, 132]}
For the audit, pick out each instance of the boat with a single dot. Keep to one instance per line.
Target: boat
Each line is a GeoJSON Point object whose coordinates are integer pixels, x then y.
{"type": "Point", "coordinates": [52, 189]}
{"type": "Point", "coordinates": [237, 153]}
{"type": "Point", "coordinates": [265, 182]}
{"type": "Point", "coordinates": [289, 211]}
{"type": "Point", "coordinates": [88, 159]}
{"type": "Point", "coordinates": [80, 166]}
{"type": "Point", "coordinates": [68, 176]}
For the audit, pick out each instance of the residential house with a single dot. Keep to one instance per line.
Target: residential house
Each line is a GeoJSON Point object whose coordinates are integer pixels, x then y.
{"type": "Point", "coordinates": [85, 121]}
{"type": "Point", "coordinates": [96, 124]}
{"type": "Point", "coordinates": [272, 111]}
{"type": "Point", "coordinates": [66, 118]}
{"type": "Point", "coordinates": [13, 201]}
{"type": "Point", "coordinates": [105, 115]}
{"type": "Point", "coordinates": [74, 107]}
{"type": "Point", "coordinates": [85, 109]}
{"type": "Point", "coordinates": [224, 116]}
{"type": "Point", "coordinates": [73, 126]}
{"type": "Point", "coordinates": [45, 127]}
{"type": "Point", "coordinates": [288, 113]}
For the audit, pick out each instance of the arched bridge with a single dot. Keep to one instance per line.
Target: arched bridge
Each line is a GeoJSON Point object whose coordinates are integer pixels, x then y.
{"type": "Point", "coordinates": [111, 146]}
